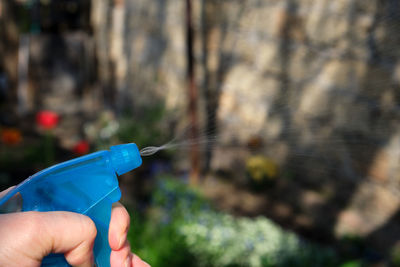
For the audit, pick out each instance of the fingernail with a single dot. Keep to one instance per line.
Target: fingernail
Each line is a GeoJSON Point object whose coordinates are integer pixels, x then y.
{"type": "Point", "coordinates": [121, 241]}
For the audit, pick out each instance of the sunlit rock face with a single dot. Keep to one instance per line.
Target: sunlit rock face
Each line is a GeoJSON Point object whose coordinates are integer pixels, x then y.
{"type": "Point", "coordinates": [316, 81]}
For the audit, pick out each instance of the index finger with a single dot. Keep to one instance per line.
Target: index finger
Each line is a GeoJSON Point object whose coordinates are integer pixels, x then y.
{"type": "Point", "coordinates": [119, 226]}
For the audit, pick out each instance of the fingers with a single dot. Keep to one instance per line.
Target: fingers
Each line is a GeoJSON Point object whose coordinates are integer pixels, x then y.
{"type": "Point", "coordinates": [119, 226]}
{"type": "Point", "coordinates": [30, 236]}
{"type": "Point", "coordinates": [125, 258]}
{"type": "Point", "coordinates": [72, 234]}
{"type": "Point", "coordinates": [121, 257]}
{"type": "Point", "coordinates": [33, 235]}
{"type": "Point", "coordinates": [121, 254]}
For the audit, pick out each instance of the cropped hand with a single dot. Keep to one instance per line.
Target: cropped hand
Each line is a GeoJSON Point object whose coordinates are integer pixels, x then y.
{"type": "Point", "coordinates": [27, 237]}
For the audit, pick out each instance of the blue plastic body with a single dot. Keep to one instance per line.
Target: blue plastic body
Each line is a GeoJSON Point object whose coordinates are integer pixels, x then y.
{"type": "Point", "coordinates": [86, 185]}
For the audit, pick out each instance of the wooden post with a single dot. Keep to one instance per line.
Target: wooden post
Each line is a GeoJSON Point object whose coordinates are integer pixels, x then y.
{"type": "Point", "coordinates": [100, 21]}
{"type": "Point", "coordinates": [193, 95]}
{"type": "Point", "coordinates": [118, 57]}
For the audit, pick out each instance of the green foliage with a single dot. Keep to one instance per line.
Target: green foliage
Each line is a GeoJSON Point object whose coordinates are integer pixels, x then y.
{"type": "Point", "coordinates": [353, 263]}
{"type": "Point", "coordinates": [158, 244]}
{"type": "Point", "coordinates": [182, 229]}
{"type": "Point", "coordinates": [30, 155]}
{"type": "Point", "coordinates": [395, 256]}
{"type": "Point", "coordinates": [352, 247]}
{"type": "Point", "coordinates": [143, 128]}
{"type": "Point", "coordinates": [218, 239]}
{"type": "Point", "coordinates": [155, 237]}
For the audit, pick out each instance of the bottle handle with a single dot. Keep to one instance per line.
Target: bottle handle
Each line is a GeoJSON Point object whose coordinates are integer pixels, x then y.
{"type": "Point", "coordinates": [101, 215]}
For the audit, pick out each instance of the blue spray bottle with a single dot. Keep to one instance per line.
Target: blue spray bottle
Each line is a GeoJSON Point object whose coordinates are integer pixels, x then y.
{"type": "Point", "coordinates": [86, 185]}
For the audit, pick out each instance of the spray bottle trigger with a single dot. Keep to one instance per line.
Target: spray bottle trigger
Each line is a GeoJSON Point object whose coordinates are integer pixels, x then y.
{"type": "Point", "coordinates": [101, 215]}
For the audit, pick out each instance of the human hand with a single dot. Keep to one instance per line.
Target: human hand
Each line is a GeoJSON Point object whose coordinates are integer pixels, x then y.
{"type": "Point", "coordinates": [27, 237]}
{"type": "Point", "coordinates": [121, 254]}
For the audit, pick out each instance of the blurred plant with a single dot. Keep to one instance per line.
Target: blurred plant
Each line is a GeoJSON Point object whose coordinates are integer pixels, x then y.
{"type": "Point", "coordinates": [155, 237]}
{"type": "Point", "coordinates": [47, 120]}
{"type": "Point", "coordinates": [353, 263]}
{"type": "Point", "coordinates": [144, 128]}
{"type": "Point", "coordinates": [261, 170]}
{"type": "Point", "coordinates": [81, 148]}
{"type": "Point", "coordinates": [102, 132]}
{"type": "Point", "coordinates": [158, 243]}
{"type": "Point", "coordinates": [11, 136]}
{"type": "Point", "coordinates": [182, 217]}
{"type": "Point", "coordinates": [218, 239]}
{"type": "Point", "coordinates": [352, 246]}
{"type": "Point", "coordinates": [395, 255]}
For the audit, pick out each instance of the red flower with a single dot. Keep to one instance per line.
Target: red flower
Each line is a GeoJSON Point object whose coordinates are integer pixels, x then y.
{"type": "Point", "coordinates": [11, 136]}
{"type": "Point", "coordinates": [81, 148]}
{"type": "Point", "coordinates": [47, 119]}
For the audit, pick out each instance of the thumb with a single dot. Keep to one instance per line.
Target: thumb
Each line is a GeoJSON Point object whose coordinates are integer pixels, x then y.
{"type": "Point", "coordinates": [27, 237]}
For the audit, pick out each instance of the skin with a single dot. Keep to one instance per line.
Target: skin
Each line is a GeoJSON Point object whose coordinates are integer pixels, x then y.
{"type": "Point", "coordinates": [27, 237]}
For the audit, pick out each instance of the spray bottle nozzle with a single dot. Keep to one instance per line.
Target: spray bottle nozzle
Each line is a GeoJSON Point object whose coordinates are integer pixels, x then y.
{"type": "Point", "coordinates": [125, 158]}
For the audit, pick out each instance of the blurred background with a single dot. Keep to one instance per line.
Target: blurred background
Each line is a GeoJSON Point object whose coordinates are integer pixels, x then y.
{"type": "Point", "coordinates": [282, 115]}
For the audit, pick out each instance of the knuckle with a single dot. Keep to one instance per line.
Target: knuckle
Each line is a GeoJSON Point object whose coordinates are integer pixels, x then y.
{"type": "Point", "coordinates": [76, 259]}
{"type": "Point", "coordinates": [89, 227]}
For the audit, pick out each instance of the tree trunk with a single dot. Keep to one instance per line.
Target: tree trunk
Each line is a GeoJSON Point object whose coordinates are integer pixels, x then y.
{"type": "Point", "coordinates": [193, 95]}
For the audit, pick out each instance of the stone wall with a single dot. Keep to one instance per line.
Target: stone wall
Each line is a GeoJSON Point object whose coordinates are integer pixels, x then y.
{"type": "Point", "coordinates": [145, 45]}
{"type": "Point", "coordinates": [316, 80]}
